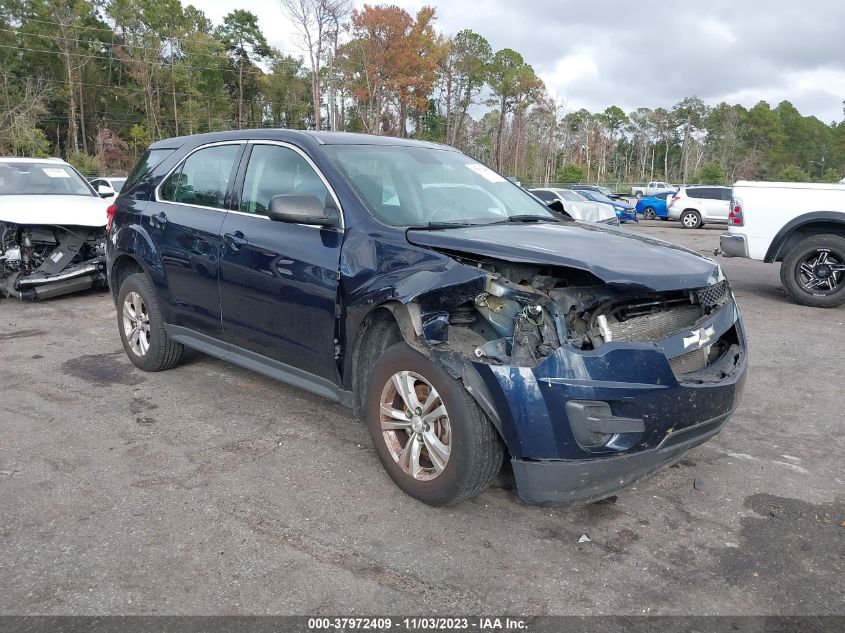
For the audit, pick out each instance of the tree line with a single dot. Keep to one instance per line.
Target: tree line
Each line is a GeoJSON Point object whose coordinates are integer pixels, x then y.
{"type": "Point", "coordinates": [96, 81]}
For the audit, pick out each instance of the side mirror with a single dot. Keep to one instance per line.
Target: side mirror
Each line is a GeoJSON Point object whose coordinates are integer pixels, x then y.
{"type": "Point", "coordinates": [105, 191]}
{"type": "Point", "coordinates": [302, 209]}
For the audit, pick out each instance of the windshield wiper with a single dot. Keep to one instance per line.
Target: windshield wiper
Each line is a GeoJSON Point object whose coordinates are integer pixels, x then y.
{"type": "Point", "coordinates": [441, 225]}
{"type": "Point", "coordinates": [528, 218]}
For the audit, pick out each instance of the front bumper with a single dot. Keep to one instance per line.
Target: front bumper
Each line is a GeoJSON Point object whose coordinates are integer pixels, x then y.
{"type": "Point", "coordinates": [567, 481]}
{"type": "Point", "coordinates": [733, 245]}
{"type": "Point", "coordinates": [637, 381]}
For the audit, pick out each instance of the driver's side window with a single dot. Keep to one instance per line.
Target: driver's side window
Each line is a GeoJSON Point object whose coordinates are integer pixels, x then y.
{"type": "Point", "coordinates": [276, 170]}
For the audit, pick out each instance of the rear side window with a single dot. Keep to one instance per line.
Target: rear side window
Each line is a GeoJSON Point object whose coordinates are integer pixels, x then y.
{"type": "Point", "coordinates": [694, 193]}
{"type": "Point", "coordinates": [151, 159]}
{"type": "Point", "coordinates": [547, 196]}
{"type": "Point", "coordinates": [203, 178]}
{"type": "Point", "coordinates": [275, 170]}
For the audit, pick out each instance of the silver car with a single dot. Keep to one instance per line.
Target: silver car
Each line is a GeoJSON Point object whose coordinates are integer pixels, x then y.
{"type": "Point", "coordinates": [697, 206]}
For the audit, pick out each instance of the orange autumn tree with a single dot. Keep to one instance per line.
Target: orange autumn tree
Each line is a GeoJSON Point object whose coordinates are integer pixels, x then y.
{"type": "Point", "coordinates": [390, 65]}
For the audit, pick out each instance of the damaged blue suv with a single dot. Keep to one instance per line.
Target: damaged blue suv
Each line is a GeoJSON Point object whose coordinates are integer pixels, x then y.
{"type": "Point", "coordinates": [465, 321]}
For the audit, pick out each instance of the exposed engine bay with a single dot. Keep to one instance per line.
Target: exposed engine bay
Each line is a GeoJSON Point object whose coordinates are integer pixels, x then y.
{"type": "Point", "coordinates": [43, 261]}
{"type": "Point", "coordinates": [528, 311]}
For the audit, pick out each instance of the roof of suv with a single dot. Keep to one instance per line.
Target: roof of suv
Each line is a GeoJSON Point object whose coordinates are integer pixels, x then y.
{"type": "Point", "coordinates": [282, 134]}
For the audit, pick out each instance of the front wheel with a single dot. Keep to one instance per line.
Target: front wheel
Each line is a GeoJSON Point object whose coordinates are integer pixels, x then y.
{"type": "Point", "coordinates": [690, 219]}
{"type": "Point", "coordinates": [813, 271]}
{"type": "Point", "coordinates": [649, 213]}
{"type": "Point", "coordinates": [430, 435]}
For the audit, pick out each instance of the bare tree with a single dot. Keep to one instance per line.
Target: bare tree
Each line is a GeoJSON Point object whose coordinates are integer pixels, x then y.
{"type": "Point", "coordinates": [317, 23]}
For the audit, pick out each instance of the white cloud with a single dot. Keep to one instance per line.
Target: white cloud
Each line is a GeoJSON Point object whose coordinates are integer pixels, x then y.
{"type": "Point", "coordinates": [649, 53]}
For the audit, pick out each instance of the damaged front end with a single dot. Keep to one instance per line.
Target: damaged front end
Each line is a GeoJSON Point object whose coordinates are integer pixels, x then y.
{"type": "Point", "coordinates": [592, 385]}
{"type": "Point", "coordinates": [44, 261]}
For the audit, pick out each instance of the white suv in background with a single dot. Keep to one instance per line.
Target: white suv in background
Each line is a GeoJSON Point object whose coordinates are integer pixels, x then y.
{"type": "Point", "coordinates": [696, 206]}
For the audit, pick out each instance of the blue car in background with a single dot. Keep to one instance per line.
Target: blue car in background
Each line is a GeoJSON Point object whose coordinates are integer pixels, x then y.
{"type": "Point", "coordinates": [624, 211]}
{"type": "Point", "coordinates": [654, 206]}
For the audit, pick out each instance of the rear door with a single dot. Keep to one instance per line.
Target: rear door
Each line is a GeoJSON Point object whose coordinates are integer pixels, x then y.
{"type": "Point", "coordinates": [184, 220]}
{"type": "Point", "coordinates": [279, 281]}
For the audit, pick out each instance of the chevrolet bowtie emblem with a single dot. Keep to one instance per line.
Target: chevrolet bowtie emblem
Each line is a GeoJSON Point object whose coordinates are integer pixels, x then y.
{"type": "Point", "coordinates": [700, 337]}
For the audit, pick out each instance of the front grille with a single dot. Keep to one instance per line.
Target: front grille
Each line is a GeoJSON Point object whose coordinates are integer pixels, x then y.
{"type": "Point", "coordinates": [714, 295]}
{"type": "Point", "coordinates": [653, 327]}
{"type": "Point", "coordinates": [695, 360]}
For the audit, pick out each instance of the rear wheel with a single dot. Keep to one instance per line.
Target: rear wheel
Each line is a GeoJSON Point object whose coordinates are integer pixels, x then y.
{"type": "Point", "coordinates": [141, 325]}
{"type": "Point", "coordinates": [690, 219]}
{"type": "Point", "coordinates": [813, 271]}
{"type": "Point", "coordinates": [649, 213]}
{"type": "Point", "coordinates": [430, 435]}
{"type": "Point", "coordinates": [639, 195]}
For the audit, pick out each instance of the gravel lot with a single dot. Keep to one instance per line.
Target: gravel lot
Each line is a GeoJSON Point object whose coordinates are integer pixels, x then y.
{"type": "Point", "coordinates": [212, 490]}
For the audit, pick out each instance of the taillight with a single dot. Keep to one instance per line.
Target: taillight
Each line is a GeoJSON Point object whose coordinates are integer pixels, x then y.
{"type": "Point", "coordinates": [110, 217]}
{"type": "Point", "coordinates": [674, 200]}
{"type": "Point", "coordinates": [735, 215]}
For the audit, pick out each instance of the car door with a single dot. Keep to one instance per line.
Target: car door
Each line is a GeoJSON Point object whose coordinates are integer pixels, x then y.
{"type": "Point", "coordinates": [279, 281]}
{"type": "Point", "coordinates": [184, 220]}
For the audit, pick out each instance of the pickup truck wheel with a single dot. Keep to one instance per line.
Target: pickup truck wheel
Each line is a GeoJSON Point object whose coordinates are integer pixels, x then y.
{"type": "Point", "coordinates": [649, 214]}
{"type": "Point", "coordinates": [813, 271]}
{"type": "Point", "coordinates": [141, 325]}
{"type": "Point", "coordinates": [430, 435]}
{"type": "Point", "coordinates": [639, 195]}
{"type": "Point", "coordinates": [690, 219]}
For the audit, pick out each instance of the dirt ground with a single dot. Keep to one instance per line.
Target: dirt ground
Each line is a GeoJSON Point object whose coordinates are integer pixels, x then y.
{"type": "Point", "coordinates": [208, 489]}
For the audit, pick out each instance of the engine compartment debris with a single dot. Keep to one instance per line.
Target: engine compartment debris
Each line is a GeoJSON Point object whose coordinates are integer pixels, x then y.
{"type": "Point", "coordinates": [528, 311]}
{"type": "Point", "coordinates": [43, 261]}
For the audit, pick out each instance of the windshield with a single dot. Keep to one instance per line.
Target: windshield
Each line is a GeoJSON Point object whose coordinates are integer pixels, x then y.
{"type": "Point", "coordinates": [605, 191]}
{"type": "Point", "coordinates": [598, 197]}
{"type": "Point", "coordinates": [50, 179]}
{"type": "Point", "coordinates": [416, 186]}
{"type": "Point", "coordinates": [571, 196]}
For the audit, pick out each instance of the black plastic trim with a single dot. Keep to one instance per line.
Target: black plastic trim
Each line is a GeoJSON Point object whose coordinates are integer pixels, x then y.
{"type": "Point", "coordinates": [261, 364]}
{"type": "Point", "coordinates": [585, 480]}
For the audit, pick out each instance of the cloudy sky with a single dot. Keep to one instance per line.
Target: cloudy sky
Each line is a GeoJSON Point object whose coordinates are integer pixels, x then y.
{"type": "Point", "coordinates": [647, 53]}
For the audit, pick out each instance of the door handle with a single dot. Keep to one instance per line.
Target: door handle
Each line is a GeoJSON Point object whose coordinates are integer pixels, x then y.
{"type": "Point", "coordinates": [158, 220]}
{"type": "Point", "coordinates": [235, 240]}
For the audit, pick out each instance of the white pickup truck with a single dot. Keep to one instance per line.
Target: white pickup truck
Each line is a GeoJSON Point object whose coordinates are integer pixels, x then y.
{"type": "Point", "coordinates": [655, 186]}
{"type": "Point", "coordinates": [801, 225]}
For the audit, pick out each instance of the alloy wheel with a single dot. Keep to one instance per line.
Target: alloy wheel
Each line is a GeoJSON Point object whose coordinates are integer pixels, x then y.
{"type": "Point", "coordinates": [821, 272]}
{"type": "Point", "coordinates": [136, 323]}
{"type": "Point", "coordinates": [415, 425]}
{"type": "Point", "coordinates": [690, 220]}
{"type": "Point", "coordinates": [649, 214]}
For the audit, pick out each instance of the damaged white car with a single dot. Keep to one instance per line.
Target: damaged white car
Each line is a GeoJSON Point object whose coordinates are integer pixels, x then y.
{"type": "Point", "coordinates": [52, 230]}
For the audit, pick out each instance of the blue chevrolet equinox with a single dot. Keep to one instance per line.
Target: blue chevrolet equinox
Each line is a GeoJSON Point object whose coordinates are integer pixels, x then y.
{"type": "Point", "coordinates": [465, 321]}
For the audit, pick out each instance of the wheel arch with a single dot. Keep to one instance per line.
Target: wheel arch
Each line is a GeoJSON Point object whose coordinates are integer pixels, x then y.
{"type": "Point", "coordinates": [391, 322]}
{"type": "Point", "coordinates": [122, 266]}
{"type": "Point", "coordinates": [814, 223]}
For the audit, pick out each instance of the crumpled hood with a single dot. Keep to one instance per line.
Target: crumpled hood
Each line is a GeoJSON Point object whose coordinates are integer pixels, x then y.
{"type": "Point", "coordinates": [54, 210]}
{"type": "Point", "coordinates": [614, 256]}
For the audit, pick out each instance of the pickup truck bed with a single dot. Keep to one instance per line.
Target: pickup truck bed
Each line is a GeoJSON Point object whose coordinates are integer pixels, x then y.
{"type": "Point", "coordinates": [799, 224]}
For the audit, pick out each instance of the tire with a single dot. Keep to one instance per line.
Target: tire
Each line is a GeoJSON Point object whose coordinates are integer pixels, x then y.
{"type": "Point", "coordinates": [649, 213]}
{"type": "Point", "coordinates": [139, 312]}
{"type": "Point", "coordinates": [690, 219]}
{"type": "Point", "coordinates": [813, 271]}
{"type": "Point", "coordinates": [475, 451]}
{"type": "Point", "coordinates": [638, 195]}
